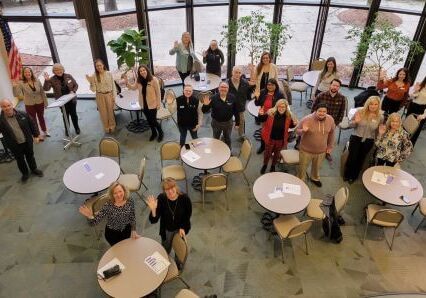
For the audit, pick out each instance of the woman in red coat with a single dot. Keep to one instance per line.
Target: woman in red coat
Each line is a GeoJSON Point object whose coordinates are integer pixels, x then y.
{"type": "Point", "coordinates": [275, 132]}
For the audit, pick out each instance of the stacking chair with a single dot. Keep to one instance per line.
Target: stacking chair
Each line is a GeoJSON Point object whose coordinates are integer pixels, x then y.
{"type": "Point", "coordinates": [345, 124]}
{"type": "Point", "coordinates": [110, 147]}
{"type": "Point", "coordinates": [133, 182]}
{"type": "Point", "coordinates": [185, 293]}
{"type": "Point", "coordinates": [239, 164]}
{"type": "Point", "coordinates": [410, 124]}
{"type": "Point", "coordinates": [422, 205]}
{"type": "Point", "coordinates": [340, 199]}
{"type": "Point", "coordinates": [180, 247]}
{"type": "Point", "coordinates": [318, 64]}
{"type": "Point", "coordinates": [289, 226]}
{"type": "Point", "coordinates": [96, 203]}
{"type": "Point", "coordinates": [166, 112]}
{"type": "Point", "coordinates": [296, 86]}
{"type": "Point", "coordinates": [171, 151]}
{"type": "Point", "coordinates": [383, 217]}
{"type": "Point", "coordinates": [215, 182]}
{"type": "Point", "coordinates": [290, 157]}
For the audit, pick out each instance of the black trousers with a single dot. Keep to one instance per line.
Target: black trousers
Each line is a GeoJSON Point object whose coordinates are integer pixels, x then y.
{"type": "Point", "coordinates": [114, 236]}
{"type": "Point", "coordinates": [71, 110]}
{"type": "Point", "coordinates": [390, 106]}
{"type": "Point", "coordinates": [358, 150]}
{"type": "Point", "coordinates": [24, 155]}
{"type": "Point", "coordinates": [184, 131]}
{"type": "Point", "coordinates": [183, 76]}
{"type": "Point", "coordinates": [151, 117]}
{"type": "Point", "coordinates": [384, 162]}
{"type": "Point", "coordinates": [415, 108]}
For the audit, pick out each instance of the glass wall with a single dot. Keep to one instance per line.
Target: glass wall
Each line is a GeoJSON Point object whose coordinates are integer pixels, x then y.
{"type": "Point", "coordinates": [115, 5]}
{"type": "Point", "coordinates": [29, 7]}
{"type": "Point", "coordinates": [422, 71]}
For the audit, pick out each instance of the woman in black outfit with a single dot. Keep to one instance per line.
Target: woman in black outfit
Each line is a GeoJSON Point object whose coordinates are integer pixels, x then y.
{"type": "Point", "coordinates": [62, 84]}
{"type": "Point", "coordinates": [173, 209]}
{"type": "Point", "coordinates": [119, 212]}
{"type": "Point", "coordinates": [214, 59]}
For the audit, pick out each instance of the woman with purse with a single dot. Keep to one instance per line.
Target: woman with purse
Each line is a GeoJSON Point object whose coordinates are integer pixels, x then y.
{"type": "Point", "coordinates": [185, 56]}
{"type": "Point", "coordinates": [275, 132]}
{"type": "Point", "coordinates": [103, 84]}
{"type": "Point", "coordinates": [418, 107]}
{"type": "Point", "coordinates": [31, 91]}
{"type": "Point", "coordinates": [173, 209]}
{"type": "Point", "coordinates": [393, 143]}
{"type": "Point", "coordinates": [119, 212]}
{"type": "Point", "coordinates": [149, 99]}
{"type": "Point", "coordinates": [62, 84]}
{"type": "Point", "coordinates": [366, 122]}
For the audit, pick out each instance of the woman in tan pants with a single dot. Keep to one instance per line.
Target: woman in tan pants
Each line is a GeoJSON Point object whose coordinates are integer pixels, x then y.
{"type": "Point", "coordinates": [103, 84]}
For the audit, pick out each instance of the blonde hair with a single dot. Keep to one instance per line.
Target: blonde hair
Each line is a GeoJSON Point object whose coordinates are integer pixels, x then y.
{"type": "Point", "coordinates": [111, 191]}
{"type": "Point", "coordinates": [58, 66]}
{"type": "Point", "coordinates": [391, 117]}
{"type": "Point", "coordinates": [272, 111]}
{"type": "Point", "coordinates": [365, 109]}
{"type": "Point", "coordinates": [190, 39]}
{"type": "Point", "coordinates": [170, 183]}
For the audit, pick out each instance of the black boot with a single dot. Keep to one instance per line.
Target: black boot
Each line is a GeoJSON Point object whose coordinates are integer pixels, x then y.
{"type": "Point", "coordinates": [261, 148]}
{"type": "Point", "coordinates": [263, 169]}
{"type": "Point", "coordinates": [153, 134]}
{"type": "Point", "coordinates": [272, 169]}
{"type": "Point", "coordinates": [160, 135]}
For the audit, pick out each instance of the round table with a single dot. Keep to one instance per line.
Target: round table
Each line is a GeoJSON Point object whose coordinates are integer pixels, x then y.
{"type": "Point", "coordinates": [207, 82]}
{"type": "Point", "coordinates": [91, 175]}
{"type": "Point", "coordinates": [213, 154]}
{"type": "Point", "coordinates": [130, 102]}
{"type": "Point", "coordinates": [137, 279]}
{"type": "Point", "coordinates": [311, 77]}
{"type": "Point", "coordinates": [390, 193]}
{"type": "Point", "coordinates": [290, 203]}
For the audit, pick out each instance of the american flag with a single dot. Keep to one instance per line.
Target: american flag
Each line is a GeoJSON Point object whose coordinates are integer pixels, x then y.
{"type": "Point", "coordinates": [15, 62]}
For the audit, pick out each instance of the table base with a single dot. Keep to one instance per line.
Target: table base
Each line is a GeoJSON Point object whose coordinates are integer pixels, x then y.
{"type": "Point", "coordinates": [258, 134]}
{"type": "Point", "coordinates": [309, 103]}
{"type": "Point", "coordinates": [138, 126]}
{"type": "Point", "coordinates": [267, 222]}
{"type": "Point", "coordinates": [197, 180]}
{"type": "Point", "coordinates": [71, 141]}
{"type": "Point", "coordinates": [6, 156]}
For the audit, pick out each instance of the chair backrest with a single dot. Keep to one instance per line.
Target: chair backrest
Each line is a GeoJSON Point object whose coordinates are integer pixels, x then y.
{"type": "Point", "coordinates": [110, 147]}
{"type": "Point", "coordinates": [390, 216]}
{"type": "Point", "coordinates": [215, 182]}
{"type": "Point", "coordinates": [245, 152]}
{"type": "Point", "coordinates": [170, 151]}
{"type": "Point", "coordinates": [410, 124]}
{"type": "Point", "coordinates": [301, 228]}
{"type": "Point", "coordinates": [318, 64]}
{"type": "Point", "coordinates": [290, 74]}
{"type": "Point", "coordinates": [169, 96]}
{"type": "Point", "coordinates": [185, 293]}
{"type": "Point", "coordinates": [100, 202]}
{"type": "Point", "coordinates": [341, 198]}
{"type": "Point", "coordinates": [180, 247]}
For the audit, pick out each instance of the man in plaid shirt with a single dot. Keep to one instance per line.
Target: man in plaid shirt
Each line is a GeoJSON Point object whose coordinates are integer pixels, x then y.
{"type": "Point", "coordinates": [336, 104]}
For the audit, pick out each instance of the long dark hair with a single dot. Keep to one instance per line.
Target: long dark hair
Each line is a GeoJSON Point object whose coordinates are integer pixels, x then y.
{"type": "Point", "coordinates": [98, 76]}
{"type": "Point", "coordinates": [407, 75]}
{"type": "Point", "coordinates": [260, 64]}
{"type": "Point", "coordinates": [325, 69]}
{"type": "Point", "coordinates": [148, 74]}
{"type": "Point", "coordinates": [275, 83]}
{"type": "Point", "coordinates": [24, 79]}
{"type": "Point", "coordinates": [423, 83]}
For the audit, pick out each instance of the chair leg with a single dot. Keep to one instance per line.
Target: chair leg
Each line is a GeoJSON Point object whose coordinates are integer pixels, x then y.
{"type": "Point", "coordinates": [202, 196]}
{"type": "Point", "coordinates": [245, 177]}
{"type": "Point", "coordinates": [186, 185]}
{"type": "Point", "coordinates": [301, 98]}
{"type": "Point", "coordinates": [365, 233]}
{"type": "Point", "coordinates": [282, 249]}
{"type": "Point", "coordinates": [338, 138]}
{"type": "Point", "coordinates": [306, 244]}
{"type": "Point", "coordinates": [146, 187]}
{"type": "Point", "coordinates": [393, 237]}
{"type": "Point", "coordinates": [226, 201]}
{"type": "Point", "coordinates": [184, 282]}
{"type": "Point", "coordinates": [415, 231]}
{"type": "Point", "coordinates": [417, 206]}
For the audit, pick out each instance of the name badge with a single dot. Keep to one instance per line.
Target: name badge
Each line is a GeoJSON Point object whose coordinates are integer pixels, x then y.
{"type": "Point", "coordinates": [181, 107]}
{"type": "Point", "coordinates": [69, 81]}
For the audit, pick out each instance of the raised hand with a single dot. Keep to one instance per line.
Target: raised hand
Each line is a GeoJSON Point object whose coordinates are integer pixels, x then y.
{"type": "Point", "coordinates": [357, 118]}
{"type": "Point", "coordinates": [15, 83]}
{"type": "Point", "coordinates": [85, 211]}
{"type": "Point", "coordinates": [305, 127]}
{"type": "Point", "coordinates": [417, 87]}
{"type": "Point", "coordinates": [382, 129]}
{"type": "Point", "coordinates": [204, 53]}
{"type": "Point", "coordinates": [175, 45]}
{"type": "Point", "coordinates": [89, 78]}
{"type": "Point", "coordinates": [46, 76]}
{"type": "Point", "coordinates": [206, 100]}
{"type": "Point", "coordinates": [152, 203]}
{"type": "Point", "coordinates": [383, 75]}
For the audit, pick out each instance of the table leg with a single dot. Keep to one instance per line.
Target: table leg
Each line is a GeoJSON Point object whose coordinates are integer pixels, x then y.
{"type": "Point", "coordinates": [70, 140]}
{"type": "Point", "coordinates": [197, 180]}
{"type": "Point", "coordinates": [139, 125]}
{"type": "Point", "coordinates": [257, 134]}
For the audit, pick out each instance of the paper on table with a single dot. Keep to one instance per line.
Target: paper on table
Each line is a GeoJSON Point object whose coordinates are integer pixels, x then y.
{"type": "Point", "coordinates": [191, 156]}
{"type": "Point", "coordinates": [207, 150]}
{"type": "Point", "coordinates": [157, 262]}
{"type": "Point", "coordinates": [379, 178]}
{"type": "Point", "coordinates": [110, 264]}
{"type": "Point", "coordinates": [275, 195]}
{"type": "Point", "coordinates": [99, 175]}
{"type": "Point", "coordinates": [87, 167]}
{"type": "Point", "coordinates": [291, 188]}
{"type": "Point", "coordinates": [405, 183]}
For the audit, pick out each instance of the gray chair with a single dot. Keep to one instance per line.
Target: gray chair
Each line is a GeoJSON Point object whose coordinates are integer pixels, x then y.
{"type": "Point", "coordinates": [133, 182]}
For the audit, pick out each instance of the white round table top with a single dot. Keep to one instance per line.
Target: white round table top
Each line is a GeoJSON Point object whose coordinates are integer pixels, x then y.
{"type": "Point", "coordinates": [311, 77]}
{"type": "Point", "coordinates": [91, 174]}
{"type": "Point", "coordinates": [208, 81]}
{"type": "Point", "coordinates": [252, 108]}
{"type": "Point", "coordinates": [129, 101]}
{"type": "Point", "coordinates": [289, 203]}
{"type": "Point", "coordinates": [137, 279]}
{"type": "Point", "coordinates": [212, 153]}
{"type": "Point", "coordinates": [402, 183]}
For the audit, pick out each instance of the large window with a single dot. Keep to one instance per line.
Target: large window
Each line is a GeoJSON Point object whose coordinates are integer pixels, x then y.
{"type": "Point", "coordinates": [166, 27]}
{"type": "Point", "coordinates": [422, 71]}
{"type": "Point", "coordinates": [416, 5]}
{"type": "Point", "coordinates": [53, 7]}
{"type": "Point", "coordinates": [159, 3]}
{"type": "Point", "coordinates": [29, 7]}
{"type": "Point", "coordinates": [209, 22]}
{"type": "Point", "coordinates": [115, 5]}
{"type": "Point", "coordinates": [297, 51]}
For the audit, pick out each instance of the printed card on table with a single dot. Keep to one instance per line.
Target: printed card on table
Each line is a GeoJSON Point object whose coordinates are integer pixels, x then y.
{"type": "Point", "coordinates": [293, 189]}
{"type": "Point", "coordinates": [157, 262]}
{"type": "Point", "coordinates": [191, 156]}
{"type": "Point", "coordinates": [379, 178]}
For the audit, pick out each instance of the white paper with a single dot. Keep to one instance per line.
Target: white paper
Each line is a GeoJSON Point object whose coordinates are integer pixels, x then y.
{"type": "Point", "coordinates": [275, 195]}
{"type": "Point", "coordinates": [191, 156]}
{"type": "Point", "coordinates": [406, 199]}
{"type": "Point", "coordinates": [110, 264]}
{"type": "Point", "coordinates": [99, 175]}
{"type": "Point", "coordinates": [208, 150]}
{"type": "Point", "coordinates": [292, 189]}
{"type": "Point", "coordinates": [405, 183]}
{"type": "Point", "coordinates": [157, 262]}
{"type": "Point", "coordinates": [379, 178]}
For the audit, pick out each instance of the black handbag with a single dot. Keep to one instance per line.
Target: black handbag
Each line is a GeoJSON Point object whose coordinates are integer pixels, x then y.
{"type": "Point", "coordinates": [113, 271]}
